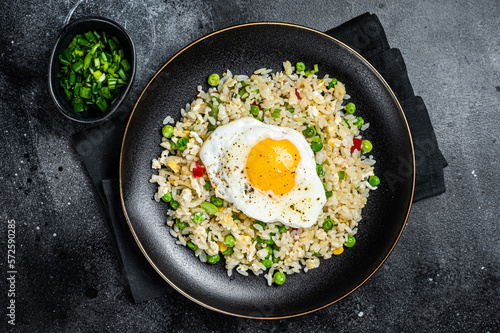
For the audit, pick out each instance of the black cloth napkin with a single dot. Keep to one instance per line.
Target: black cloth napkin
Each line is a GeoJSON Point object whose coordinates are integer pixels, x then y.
{"type": "Point", "coordinates": [99, 149]}
{"type": "Point", "coordinates": [366, 35]}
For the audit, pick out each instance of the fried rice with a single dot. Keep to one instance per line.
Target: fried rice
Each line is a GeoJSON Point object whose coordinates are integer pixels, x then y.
{"type": "Point", "coordinates": [306, 100]}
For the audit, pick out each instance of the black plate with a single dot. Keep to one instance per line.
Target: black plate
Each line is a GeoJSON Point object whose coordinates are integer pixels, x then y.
{"type": "Point", "coordinates": [242, 49]}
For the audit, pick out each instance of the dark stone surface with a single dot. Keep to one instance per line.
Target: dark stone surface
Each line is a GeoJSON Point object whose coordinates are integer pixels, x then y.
{"type": "Point", "coordinates": [444, 274]}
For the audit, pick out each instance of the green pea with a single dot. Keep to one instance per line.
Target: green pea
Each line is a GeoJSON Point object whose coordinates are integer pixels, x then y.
{"type": "Point", "coordinates": [227, 252]}
{"type": "Point", "coordinates": [328, 224]}
{"type": "Point", "coordinates": [332, 83]}
{"type": "Point", "coordinates": [282, 229]}
{"type": "Point", "coordinates": [213, 79]}
{"type": "Point", "coordinates": [236, 218]}
{"type": "Point", "coordinates": [279, 278]}
{"type": "Point", "coordinates": [276, 113]}
{"type": "Point", "coordinates": [319, 170]}
{"type": "Point", "coordinates": [374, 181]}
{"type": "Point", "coordinates": [213, 259]}
{"type": "Point", "coordinates": [276, 260]}
{"type": "Point", "coordinates": [181, 225]}
{"type": "Point", "coordinates": [359, 122]}
{"type": "Point", "coordinates": [229, 240]}
{"type": "Point", "coordinates": [316, 144]}
{"type": "Point", "coordinates": [192, 245]}
{"type": "Point", "coordinates": [167, 131]}
{"type": "Point", "coordinates": [329, 194]}
{"type": "Point", "coordinates": [300, 66]}
{"type": "Point", "coordinates": [208, 185]}
{"type": "Point", "coordinates": [174, 204]}
{"type": "Point", "coordinates": [167, 197]}
{"type": "Point", "coordinates": [267, 263]}
{"type": "Point", "coordinates": [269, 250]}
{"type": "Point", "coordinates": [310, 132]}
{"type": "Point", "coordinates": [262, 224]}
{"type": "Point", "coordinates": [209, 208]}
{"type": "Point", "coordinates": [350, 108]}
{"type": "Point", "coordinates": [182, 143]}
{"type": "Point", "coordinates": [366, 146]}
{"type": "Point", "coordinates": [218, 202]}
{"type": "Point", "coordinates": [254, 110]}
{"type": "Point", "coordinates": [198, 217]}
{"type": "Point", "coordinates": [350, 241]}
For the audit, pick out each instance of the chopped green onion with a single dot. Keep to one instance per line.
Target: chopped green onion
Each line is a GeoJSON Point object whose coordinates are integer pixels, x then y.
{"type": "Point", "coordinates": [126, 66]}
{"type": "Point", "coordinates": [350, 108]}
{"type": "Point", "coordinates": [341, 175]}
{"type": "Point", "coordinates": [319, 170]}
{"type": "Point", "coordinates": [87, 71]}
{"type": "Point", "coordinates": [218, 202]}
{"type": "Point", "coordinates": [209, 208]}
{"type": "Point", "coordinates": [77, 105]}
{"type": "Point", "coordinates": [102, 104]}
{"type": "Point", "coordinates": [89, 36]}
{"type": "Point", "coordinates": [77, 66]}
{"type": "Point", "coordinates": [300, 66]}
{"type": "Point", "coordinates": [276, 113]}
{"type": "Point", "coordinates": [85, 92]}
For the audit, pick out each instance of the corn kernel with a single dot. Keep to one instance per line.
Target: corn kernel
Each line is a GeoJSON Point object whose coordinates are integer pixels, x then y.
{"type": "Point", "coordinates": [222, 247]}
{"type": "Point", "coordinates": [338, 250]}
{"type": "Point", "coordinates": [320, 84]}
{"type": "Point", "coordinates": [221, 208]}
{"type": "Point", "coordinates": [186, 133]}
{"type": "Point", "coordinates": [331, 142]}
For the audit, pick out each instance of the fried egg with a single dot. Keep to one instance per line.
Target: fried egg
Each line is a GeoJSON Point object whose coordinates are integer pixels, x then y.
{"type": "Point", "coordinates": [268, 172]}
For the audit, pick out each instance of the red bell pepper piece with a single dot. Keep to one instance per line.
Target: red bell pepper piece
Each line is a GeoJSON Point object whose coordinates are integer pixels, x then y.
{"type": "Point", "coordinates": [198, 170]}
{"type": "Point", "coordinates": [356, 144]}
{"type": "Point", "coordinates": [297, 94]}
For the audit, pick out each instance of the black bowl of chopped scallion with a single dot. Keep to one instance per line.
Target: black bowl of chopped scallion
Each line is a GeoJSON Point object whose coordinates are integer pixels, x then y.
{"type": "Point", "coordinates": [92, 67]}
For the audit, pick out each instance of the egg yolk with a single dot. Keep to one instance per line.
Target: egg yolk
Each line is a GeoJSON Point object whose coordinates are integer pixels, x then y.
{"type": "Point", "coordinates": [272, 164]}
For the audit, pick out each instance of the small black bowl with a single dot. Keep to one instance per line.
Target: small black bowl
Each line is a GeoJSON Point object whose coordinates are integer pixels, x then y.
{"type": "Point", "coordinates": [65, 37]}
